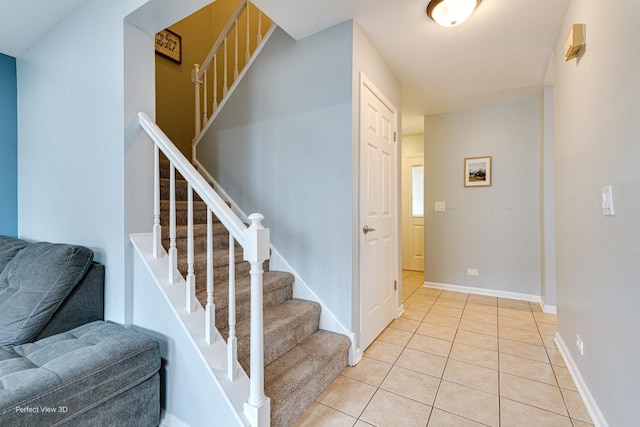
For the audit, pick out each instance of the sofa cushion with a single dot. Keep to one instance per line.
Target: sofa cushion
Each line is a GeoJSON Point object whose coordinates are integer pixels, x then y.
{"type": "Point", "coordinates": [63, 376]}
{"type": "Point", "coordinates": [34, 283]}
{"type": "Point", "coordinates": [9, 247]}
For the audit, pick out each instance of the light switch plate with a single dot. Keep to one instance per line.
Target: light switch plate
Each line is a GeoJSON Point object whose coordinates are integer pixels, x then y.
{"type": "Point", "coordinates": [440, 207]}
{"type": "Point", "coordinates": [607, 201]}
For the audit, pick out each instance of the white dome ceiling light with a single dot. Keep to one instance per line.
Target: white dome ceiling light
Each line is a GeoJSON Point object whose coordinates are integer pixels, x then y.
{"type": "Point", "coordinates": [450, 13]}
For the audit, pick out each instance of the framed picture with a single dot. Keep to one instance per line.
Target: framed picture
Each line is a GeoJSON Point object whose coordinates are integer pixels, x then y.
{"type": "Point", "coordinates": [169, 44]}
{"type": "Point", "coordinates": [477, 171]}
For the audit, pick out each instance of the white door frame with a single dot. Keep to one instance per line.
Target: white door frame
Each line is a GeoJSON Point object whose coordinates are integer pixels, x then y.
{"type": "Point", "coordinates": [367, 84]}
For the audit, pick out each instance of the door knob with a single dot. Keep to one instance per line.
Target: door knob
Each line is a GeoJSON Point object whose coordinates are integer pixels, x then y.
{"type": "Point", "coordinates": [367, 229]}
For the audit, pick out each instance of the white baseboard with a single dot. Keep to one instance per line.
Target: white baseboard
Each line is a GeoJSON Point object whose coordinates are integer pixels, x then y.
{"type": "Point", "coordinates": [551, 309]}
{"type": "Point", "coordinates": [482, 291]}
{"type": "Point", "coordinates": [170, 420]}
{"type": "Point", "coordinates": [589, 402]}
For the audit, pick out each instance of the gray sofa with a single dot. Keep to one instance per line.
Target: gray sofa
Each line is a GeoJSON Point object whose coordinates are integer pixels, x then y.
{"type": "Point", "coordinates": [60, 364]}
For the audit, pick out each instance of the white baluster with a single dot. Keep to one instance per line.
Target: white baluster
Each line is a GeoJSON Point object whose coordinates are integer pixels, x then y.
{"type": "Point", "coordinates": [259, 26]}
{"type": "Point", "coordinates": [173, 251]}
{"type": "Point", "coordinates": [196, 85]}
{"type": "Point", "coordinates": [215, 83]}
{"type": "Point", "coordinates": [211, 308]}
{"type": "Point", "coordinates": [225, 88]}
{"type": "Point", "coordinates": [247, 53]}
{"type": "Point", "coordinates": [232, 342]}
{"type": "Point", "coordinates": [256, 251]}
{"type": "Point", "coordinates": [191, 277]}
{"type": "Point", "coordinates": [235, 70]}
{"type": "Point", "coordinates": [157, 228]}
{"type": "Point", "coordinates": [205, 117]}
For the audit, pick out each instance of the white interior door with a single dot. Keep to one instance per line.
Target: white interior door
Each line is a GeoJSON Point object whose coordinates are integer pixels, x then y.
{"type": "Point", "coordinates": [413, 212]}
{"type": "Point", "coordinates": [378, 212]}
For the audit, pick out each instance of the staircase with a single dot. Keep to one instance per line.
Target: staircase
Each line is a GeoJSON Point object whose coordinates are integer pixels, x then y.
{"type": "Point", "coordinates": [300, 359]}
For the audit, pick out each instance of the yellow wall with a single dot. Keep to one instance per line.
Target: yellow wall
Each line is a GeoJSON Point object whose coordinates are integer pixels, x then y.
{"type": "Point", "coordinates": [175, 98]}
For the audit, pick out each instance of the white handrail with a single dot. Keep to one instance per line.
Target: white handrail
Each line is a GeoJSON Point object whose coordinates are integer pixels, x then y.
{"type": "Point", "coordinates": [224, 213]}
{"type": "Point", "coordinates": [255, 243]}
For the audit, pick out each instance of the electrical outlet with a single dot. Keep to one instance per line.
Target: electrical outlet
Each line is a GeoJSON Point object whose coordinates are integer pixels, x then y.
{"type": "Point", "coordinates": [472, 271]}
{"type": "Point", "coordinates": [580, 345]}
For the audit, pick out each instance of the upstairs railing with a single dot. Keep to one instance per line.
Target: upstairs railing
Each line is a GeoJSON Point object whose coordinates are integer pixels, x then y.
{"type": "Point", "coordinates": [202, 76]}
{"type": "Point", "coordinates": [255, 243]}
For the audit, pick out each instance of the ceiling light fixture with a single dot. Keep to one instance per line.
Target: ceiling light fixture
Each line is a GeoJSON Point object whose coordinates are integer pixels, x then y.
{"type": "Point", "coordinates": [450, 13]}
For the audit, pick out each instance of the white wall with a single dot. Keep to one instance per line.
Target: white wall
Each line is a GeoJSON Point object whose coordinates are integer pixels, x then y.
{"type": "Point", "coordinates": [282, 147]}
{"type": "Point", "coordinates": [597, 99]}
{"type": "Point", "coordinates": [493, 229]}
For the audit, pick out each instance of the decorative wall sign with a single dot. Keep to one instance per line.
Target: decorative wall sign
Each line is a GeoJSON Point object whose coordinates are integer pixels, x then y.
{"type": "Point", "coordinates": [169, 44]}
{"type": "Point", "coordinates": [477, 171]}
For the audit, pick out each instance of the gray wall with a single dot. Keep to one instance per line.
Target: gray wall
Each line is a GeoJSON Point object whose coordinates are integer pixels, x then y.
{"type": "Point", "coordinates": [597, 126]}
{"type": "Point", "coordinates": [494, 229]}
{"type": "Point", "coordinates": [282, 146]}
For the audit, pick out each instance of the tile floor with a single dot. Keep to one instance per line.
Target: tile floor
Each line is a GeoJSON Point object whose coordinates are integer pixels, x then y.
{"type": "Point", "coordinates": [456, 359]}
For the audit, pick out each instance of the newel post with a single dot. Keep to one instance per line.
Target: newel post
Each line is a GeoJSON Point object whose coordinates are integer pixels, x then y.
{"type": "Point", "coordinates": [196, 86]}
{"type": "Point", "coordinates": [256, 252]}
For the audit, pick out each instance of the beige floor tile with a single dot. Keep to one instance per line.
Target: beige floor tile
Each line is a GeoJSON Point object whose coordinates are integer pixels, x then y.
{"type": "Point", "coordinates": [430, 292]}
{"type": "Point", "coordinates": [516, 414]}
{"type": "Point", "coordinates": [389, 409]}
{"type": "Point", "coordinates": [413, 385]}
{"type": "Point", "coordinates": [473, 376]}
{"type": "Point", "coordinates": [383, 351]}
{"type": "Point", "coordinates": [321, 415]}
{"type": "Point", "coordinates": [481, 308]}
{"type": "Point", "coordinates": [547, 329]}
{"type": "Point", "coordinates": [545, 318]}
{"type": "Point", "coordinates": [439, 319]}
{"type": "Point", "coordinates": [535, 307]}
{"type": "Point", "coordinates": [469, 403]}
{"type": "Point", "coordinates": [564, 378]}
{"type": "Point", "coordinates": [412, 304]}
{"type": "Point", "coordinates": [368, 370]}
{"type": "Point", "coordinates": [405, 324]}
{"type": "Point", "coordinates": [575, 405]}
{"type": "Point", "coordinates": [475, 356]}
{"type": "Point", "coordinates": [523, 313]}
{"type": "Point", "coordinates": [480, 317]}
{"type": "Point", "coordinates": [430, 345]}
{"type": "Point", "coordinates": [549, 341]}
{"type": "Point", "coordinates": [534, 393]}
{"type": "Point", "coordinates": [555, 357]}
{"type": "Point", "coordinates": [483, 299]}
{"type": "Point", "coordinates": [454, 295]}
{"type": "Point", "coordinates": [512, 303]}
{"type": "Point", "coordinates": [424, 363]}
{"type": "Point", "coordinates": [451, 302]}
{"type": "Point", "coordinates": [437, 331]}
{"type": "Point", "coordinates": [475, 339]}
{"type": "Point", "coordinates": [446, 311]}
{"type": "Point", "coordinates": [361, 423]}
{"type": "Point", "coordinates": [347, 395]}
{"type": "Point", "coordinates": [527, 368]}
{"type": "Point", "coordinates": [520, 335]}
{"type": "Point", "coordinates": [528, 351]}
{"type": "Point", "coordinates": [440, 418]}
{"type": "Point", "coordinates": [578, 423]}
{"type": "Point", "coordinates": [513, 322]}
{"type": "Point", "coordinates": [414, 314]}
{"type": "Point", "coordinates": [395, 336]}
{"type": "Point", "coordinates": [481, 328]}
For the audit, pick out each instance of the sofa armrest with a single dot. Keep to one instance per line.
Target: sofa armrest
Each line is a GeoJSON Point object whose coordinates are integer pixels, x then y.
{"type": "Point", "coordinates": [85, 304]}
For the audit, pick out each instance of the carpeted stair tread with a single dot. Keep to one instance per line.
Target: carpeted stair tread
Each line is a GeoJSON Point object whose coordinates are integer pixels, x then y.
{"type": "Point", "coordinates": [285, 325]}
{"type": "Point", "coordinates": [220, 259]}
{"type": "Point", "coordinates": [277, 288]}
{"type": "Point", "coordinates": [298, 377]}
